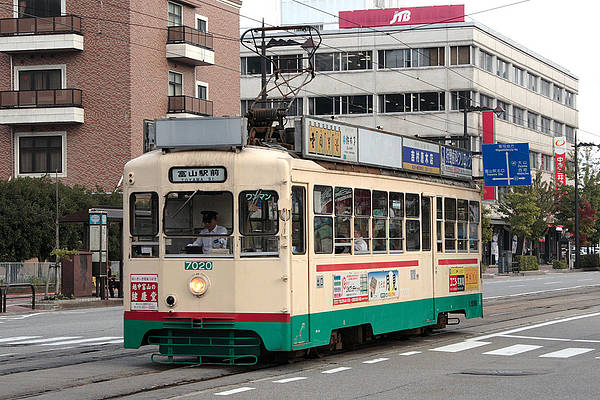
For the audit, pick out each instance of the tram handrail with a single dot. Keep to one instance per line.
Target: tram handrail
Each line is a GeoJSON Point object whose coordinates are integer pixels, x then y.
{"type": "Point", "coordinates": [6, 287]}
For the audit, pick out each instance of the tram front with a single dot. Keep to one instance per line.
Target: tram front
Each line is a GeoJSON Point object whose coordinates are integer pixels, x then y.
{"type": "Point", "coordinates": [205, 274]}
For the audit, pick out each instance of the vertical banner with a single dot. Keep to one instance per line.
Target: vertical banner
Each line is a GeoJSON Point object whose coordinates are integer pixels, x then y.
{"type": "Point", "coordinates": [487, 118]}
{"type": "Point", "coordinates": [560, 161]}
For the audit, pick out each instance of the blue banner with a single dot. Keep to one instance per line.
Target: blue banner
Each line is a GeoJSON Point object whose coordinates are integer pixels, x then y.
{"type": "Point", "coordinates": [420, 156]}
{"type": "Point", "coordinates": [456, 163]}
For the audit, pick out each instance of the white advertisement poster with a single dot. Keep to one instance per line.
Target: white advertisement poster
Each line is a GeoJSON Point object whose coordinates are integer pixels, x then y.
{"type": "Point", "coordinates": [383, 285]}
{"type": "Point", "coordinates": [349, 288]}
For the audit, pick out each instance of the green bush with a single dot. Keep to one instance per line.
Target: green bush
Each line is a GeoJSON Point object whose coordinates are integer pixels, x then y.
{"type": "Point", "coordinates": [589, 261]}
{"type": "Point", "coordinates": [528, 263]}
{"type": "Point", "coordinates": [558, 264]}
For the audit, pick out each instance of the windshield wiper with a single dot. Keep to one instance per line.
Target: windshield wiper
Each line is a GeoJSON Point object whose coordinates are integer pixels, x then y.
{"type": "Point", "coordinates": [186, 202]}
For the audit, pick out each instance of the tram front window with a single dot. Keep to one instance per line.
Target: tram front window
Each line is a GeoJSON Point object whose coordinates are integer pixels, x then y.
{"type": "Point", "coordinates": [198, 223]}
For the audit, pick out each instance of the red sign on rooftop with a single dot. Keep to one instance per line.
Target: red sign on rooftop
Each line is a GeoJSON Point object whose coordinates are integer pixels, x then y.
{"type": "Point", "coordinates": [401, 16]}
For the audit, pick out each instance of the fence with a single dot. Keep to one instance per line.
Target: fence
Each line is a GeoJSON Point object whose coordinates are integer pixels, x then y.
{"type": "Point", "coordinates": [25, 272]}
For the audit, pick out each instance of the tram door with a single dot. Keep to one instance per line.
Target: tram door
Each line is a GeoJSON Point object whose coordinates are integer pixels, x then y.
{"type": "Point", "coordinates": [426, 246]}
{"type": "Point", "coordinates": [300, 267]}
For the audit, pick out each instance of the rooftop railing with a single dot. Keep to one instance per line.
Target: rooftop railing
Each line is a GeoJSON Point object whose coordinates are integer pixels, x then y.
{"type": "Point", "coordinates": [186, 34]}
{"type": "Point", "coordinates": [40, 25]}
{"type": "Point", "coordinates": [41, 98]}
{"type": "Point", "coordinates": [191, 105]}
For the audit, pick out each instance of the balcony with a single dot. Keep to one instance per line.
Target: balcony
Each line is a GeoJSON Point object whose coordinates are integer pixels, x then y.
{"type": "Point", "coordinates": [48, 34]}
{"type": "Point", "coordinates": [189, 107]}
{"type": "Point", "coordinates": [31, 107]}
{"type": "Point", "coordinates": [190, 46]}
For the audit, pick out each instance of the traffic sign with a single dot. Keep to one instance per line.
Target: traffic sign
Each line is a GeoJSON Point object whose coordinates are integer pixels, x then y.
{"type": "Point", "coordinates": [506, 164]}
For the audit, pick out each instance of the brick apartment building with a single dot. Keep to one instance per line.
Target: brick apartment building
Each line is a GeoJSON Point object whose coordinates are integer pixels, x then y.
{"type": "Point", "coordinates": [79, 77]}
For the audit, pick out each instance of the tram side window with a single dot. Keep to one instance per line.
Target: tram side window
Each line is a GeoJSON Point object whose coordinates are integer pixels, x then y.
{"type": "Point", "coordinates": [143, 224]}
{"type": "Point", "coordinates": [298, 220]}
{"type": "Point", "coordinates": [474, 226]}
{"type": "Point", "coordinates": [396, 221]}
{"type": "Point", "coordinates": [323, 225]}
{"type": "Point", "coordinates": [439, 216]}
{"type": "Point", "coordinates": [413, 225]}
{"type": "Point", "coordinates": [450, 224]}
{"type": "Point", "coordinates": [343, 219]}
{"type": "Point", "coordinates": [259, 223]}
{"type": "Point", "coordinates": [461, 226]}
{"type": "Point", "coordinates": [380, 213]}
{"type": "Point", "coordinates": [426, 223]}
{"type": "Point", "coordinates": [198, 223]}
{"type": "Point", "coordinates": [362, 212]}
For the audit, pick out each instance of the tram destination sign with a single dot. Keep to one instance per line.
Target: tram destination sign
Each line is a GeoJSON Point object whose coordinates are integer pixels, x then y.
{"type": "Point", "coordinates": [197, 174]}
{"type": "Point", "coordinates": [506, 164]}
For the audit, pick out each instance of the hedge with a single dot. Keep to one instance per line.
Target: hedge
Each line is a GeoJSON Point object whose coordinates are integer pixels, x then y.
{"type": "Point", "coordinates": [589, 261]}
{"type": "Point", "coordinates": [528, 263]}
{"type": "Point", "coordinates": [558, 264]}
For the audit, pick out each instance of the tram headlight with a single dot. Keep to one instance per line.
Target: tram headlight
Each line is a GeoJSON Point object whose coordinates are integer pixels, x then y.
{"type": "Point", "coordinates": [198, 285]}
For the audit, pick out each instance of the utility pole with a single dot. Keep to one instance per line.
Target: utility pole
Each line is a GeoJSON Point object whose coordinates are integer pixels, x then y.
{"type": "Point", "coordinates": [57, 240]}
{"type": "Point", "coordinates": [263, 65]}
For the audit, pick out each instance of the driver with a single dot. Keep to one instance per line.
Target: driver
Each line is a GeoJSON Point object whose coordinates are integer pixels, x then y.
{"type": "Point", "coordinates": [211, 228]}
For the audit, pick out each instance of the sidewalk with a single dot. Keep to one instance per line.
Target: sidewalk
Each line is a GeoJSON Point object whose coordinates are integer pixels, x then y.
{"type": "Point", "coordinates": [492, 271]}
{"type": "Point", "coordinates": [20, 303]}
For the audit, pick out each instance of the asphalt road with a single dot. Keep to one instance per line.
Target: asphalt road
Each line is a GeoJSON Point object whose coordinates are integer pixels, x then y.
{"type": "Point", "coordinates": [541, 345]}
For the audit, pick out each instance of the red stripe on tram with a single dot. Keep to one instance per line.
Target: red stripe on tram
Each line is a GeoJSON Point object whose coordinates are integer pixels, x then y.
{"type": "Point", "coordinates": [232, 317]}
{"type": "Point", "coordinates": [458, 261]}
{"type": "Point", "coordinates": [372, 265]}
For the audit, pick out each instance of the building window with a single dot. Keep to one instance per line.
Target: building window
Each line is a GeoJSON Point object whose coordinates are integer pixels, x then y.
{"type": "Point", "coordinates": [569, 99]}
{"type": "Point", "coordinates": [532, 120]}
{"type": "Point", "coordinates": [39, 8]}
{"type": "Point", "coordinates": [518, 116]}
{"type": "Point", "coordinates": [557, 128]}
{"type": "Point", "coordinates": [558, 94]}
{"type": "Point", "coordinates": [459, 98]}
{"type": "Point", "coordinates": [40, 154]}
{"type": "Point", "coordinates": [338, 105]}
{"type": "Point", "coordinates": [546, 126]}
{"type": "Point", "coordinates": [407, 58]}
{"type": "Point", "coordinates": [547, 162]}
{"type": "Point", "coordinates": [202, 91]}
{"type": "Point", "coordinates": [201, 23]}
{"type": "Point", "coordinates": [486, 101]}
{"type": "Point", "coordinates": [502, 70]}
{"type": "Point", "coordinates": [296, 109]}
{"type": "Point", "coordinates": [533, 160]}
{"type": "Point", "coordinates": [327, 61]}
{"type": "Point", "coordinates": [545, 87]}
{"type": "Point", "coordinates": [288, 63]}
{"type": "Point", "coordinates": [407, 102]}
{"type": "Point", "coordinates": [397, 58]}
{"type": "Point", "coordinates": [175, 14]}
{"type": "Point", "coordinates": [504, 114]}
{"type": "Point", "coordinates": [460, 55]}
{"type": "Point", "coordinates": [570, 133]}
{"type": "Point", "coordinates": [532, 82]}
{"type": "Point", "coordinates": [519, 76]}
{"type": "Point", "coordinates": [40, 79]}
{"type": "Point", "coordinates": [175, 84]}
{"type": "Point", "coordinates": [251, 65]}
{"type": "Point", "coordinates": [486, 61]}
{"type": "Point", "coordinates": [357, 60]}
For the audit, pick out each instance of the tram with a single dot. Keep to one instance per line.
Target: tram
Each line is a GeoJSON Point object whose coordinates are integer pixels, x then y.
{"type": "Point", "coordinates": [232, 250]}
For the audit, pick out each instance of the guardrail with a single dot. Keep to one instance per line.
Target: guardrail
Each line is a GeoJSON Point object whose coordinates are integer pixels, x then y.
{"type": "Point", "coordinates": [29, 285]}
{"type": "Point", "coordinates": [186, 34]}
{"type": "Point", "coordinates": [40, 25]}
{"type": "Point", "coordinates": [41, 98]}
{"type": "Point", "coordinates": [191, 105]}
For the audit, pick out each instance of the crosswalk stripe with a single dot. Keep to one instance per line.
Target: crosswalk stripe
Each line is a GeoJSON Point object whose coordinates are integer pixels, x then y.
{"type": "Point", "coordinates": [410, 353]}
{"type": "Point", "coordinates": [456, 347]}
{"type": "Point", "coordinates": [234, 391]}
{"type": "Point", "coordinates": [376, 360]}
{"type": "Point", "coordinates": [294, 379]}
{"type": "Point", "coordinates": [566, 353]}
{"type": "Point", "coordinates": [333, 371]}
{"type": "Point", "coordinates": [54, 339]}
{"type": "Point", "coordinates": [512, 350]}
{"type": "Point", "coordinates": [98, 339]}
{"type": "Point", "coordinates": [12, 339]}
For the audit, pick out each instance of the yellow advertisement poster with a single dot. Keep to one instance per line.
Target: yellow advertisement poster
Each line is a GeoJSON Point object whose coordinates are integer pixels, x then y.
{"type": "Point", "coordinates": [471, 278]}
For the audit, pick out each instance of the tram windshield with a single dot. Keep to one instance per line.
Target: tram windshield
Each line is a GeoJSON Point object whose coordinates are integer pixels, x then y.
{"type": "Point", "coordinates": [198, 223]}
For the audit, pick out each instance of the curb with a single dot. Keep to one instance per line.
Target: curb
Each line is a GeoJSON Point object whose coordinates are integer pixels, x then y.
{"type": "Point", "coordinates": [54, 305]}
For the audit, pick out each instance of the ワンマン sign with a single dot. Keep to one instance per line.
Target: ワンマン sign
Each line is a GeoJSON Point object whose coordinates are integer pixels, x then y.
{"type": "Point", "coordinates": [401, 16]}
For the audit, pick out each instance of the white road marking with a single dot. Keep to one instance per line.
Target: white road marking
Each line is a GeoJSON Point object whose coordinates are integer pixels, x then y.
{"type": "Point", "coordinates": [552, 339]}
{"type": "Point", "coordinates": [12, 339]}
{"type": "Point", "coordinates": [456, 347]}
{"type": "Point", "coordinates": [106, 342]}
{"type": "Point", "coordinates": [294, 379]}
{"type": "Point", "coordinates": [512, 350]}
{"type": "Point", "coordinates": [587, 279]}
{"type": "Point", "coordinates": [54, 339]}
{"type": "Point", "coordinates": [551, 283]}
{"type": "Point", "coordinates": [375, 360]}
{"type": "Point", "coordinates": [104, 338]}
{"type": "Point", "coordinates": [12, 354]}
{"type": "Point", "coordinates": [517, 286]}
{"type": "Point", "coordinates": [335, 370]}
{"type": "Point", "coordinates": [410, 353]}
{"type": "Point", "coordinates": [526, 328]}
{"type": "Point", "coordinates": [17, 317]}
{"type": "Point", "coordinates": [539, 291]}
{"type": "Point", "coordinates": [566, 353]}
{"type": "Point", "coordinates": [234, 391]}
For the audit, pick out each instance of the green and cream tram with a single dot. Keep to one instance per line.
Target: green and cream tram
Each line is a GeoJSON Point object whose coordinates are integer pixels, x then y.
{"type": "Point", "coordinates": [232, 249]}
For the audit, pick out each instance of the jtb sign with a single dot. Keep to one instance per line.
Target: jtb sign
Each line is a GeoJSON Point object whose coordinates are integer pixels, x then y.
{"type": "Point", "coordinates": [506, 164]}
{"type": "Point", "coordinates": [401, 16]}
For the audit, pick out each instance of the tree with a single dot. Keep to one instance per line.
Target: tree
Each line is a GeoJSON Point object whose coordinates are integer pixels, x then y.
{"type": "Point", "coordinates": [527, 209]}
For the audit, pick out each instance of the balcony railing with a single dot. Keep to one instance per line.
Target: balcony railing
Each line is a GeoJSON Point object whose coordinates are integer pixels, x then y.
{"type": "Point", "coordinates": [186, 34]}
{"type": "Point", "coordinates": [41, 98]}
{"type": "Point", "coordinates": [190, 105]}
{"type": "Point", "coordinates": [40, 26]}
